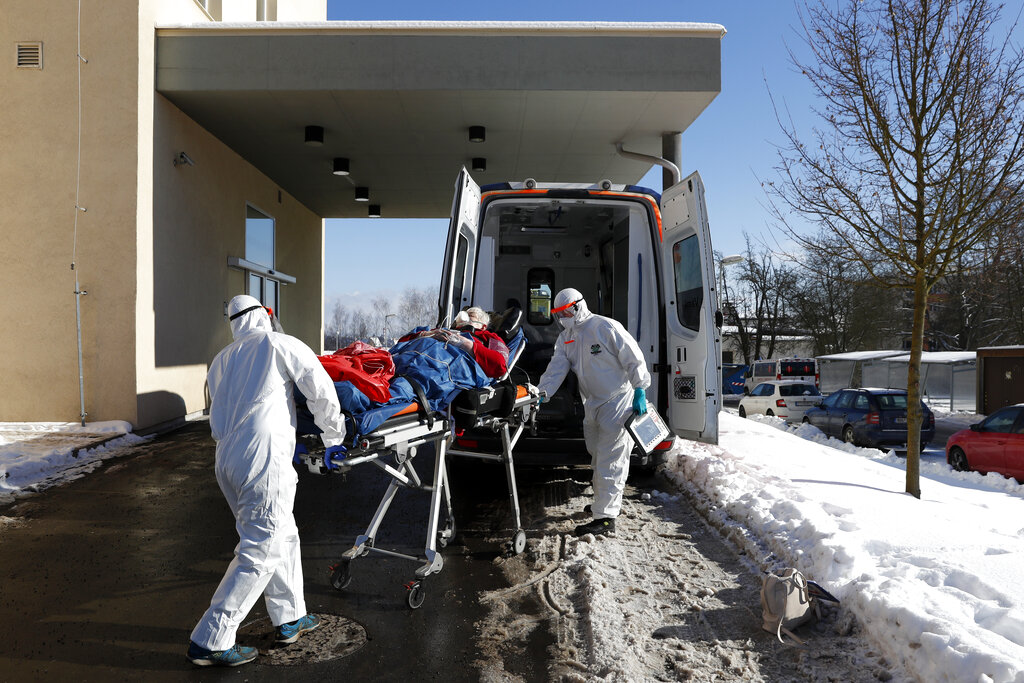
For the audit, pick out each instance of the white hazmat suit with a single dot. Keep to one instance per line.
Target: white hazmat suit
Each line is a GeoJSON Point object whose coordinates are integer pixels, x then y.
{"type": "Point", "coordinates": [252, 418]}
{"type": "Point", "coordinates": [609, 366]}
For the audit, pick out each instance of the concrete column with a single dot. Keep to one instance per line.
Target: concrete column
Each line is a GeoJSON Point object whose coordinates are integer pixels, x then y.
{"type": "Point", "coordinates": [672, 150]}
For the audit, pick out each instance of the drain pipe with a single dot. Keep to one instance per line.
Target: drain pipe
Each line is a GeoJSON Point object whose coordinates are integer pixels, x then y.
{"type": "Point", "coordinates": [647, 158]}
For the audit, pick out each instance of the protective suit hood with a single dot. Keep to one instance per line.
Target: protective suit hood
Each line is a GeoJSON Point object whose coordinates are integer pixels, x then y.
{"type": "Point", "coordinates": [255, 320]}
{"type": "Point", "coordinates": [571, 296]}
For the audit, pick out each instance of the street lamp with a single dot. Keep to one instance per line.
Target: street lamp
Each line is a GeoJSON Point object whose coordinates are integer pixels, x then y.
{"type": "Point", "coordinates": [722, 263]}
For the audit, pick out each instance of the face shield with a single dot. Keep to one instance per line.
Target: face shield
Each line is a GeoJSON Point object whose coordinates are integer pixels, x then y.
{"type": "Point", "coordinates": [566, 314]}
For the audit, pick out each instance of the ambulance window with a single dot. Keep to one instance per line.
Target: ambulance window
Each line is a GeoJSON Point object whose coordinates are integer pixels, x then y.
{"type": "Point", "coordinates": [459, 274]}
{"type": "Point", "coordinates": [541, 283]}
{"type": "Point", "coordinates": [689, 283]}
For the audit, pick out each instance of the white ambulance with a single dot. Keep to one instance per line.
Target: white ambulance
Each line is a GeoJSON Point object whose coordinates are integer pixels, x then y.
{"type": "Point", "coordinates": [641, 259]}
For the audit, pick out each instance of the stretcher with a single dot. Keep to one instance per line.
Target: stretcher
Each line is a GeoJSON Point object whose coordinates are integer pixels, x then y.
{"type": "Point", "coordinates": [506, 408]}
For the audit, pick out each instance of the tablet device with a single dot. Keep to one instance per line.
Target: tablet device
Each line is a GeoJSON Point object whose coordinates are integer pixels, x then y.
{"type": "Point", "coordinates": [648, 430]}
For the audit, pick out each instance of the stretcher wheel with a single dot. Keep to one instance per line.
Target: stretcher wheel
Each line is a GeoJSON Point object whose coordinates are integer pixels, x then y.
{"type": "Point", "coordinates": [416, 595]}
{"type": "Point", "coordinates": [341, 575]}
{"type": "Point", "coordinates": [519, 542]}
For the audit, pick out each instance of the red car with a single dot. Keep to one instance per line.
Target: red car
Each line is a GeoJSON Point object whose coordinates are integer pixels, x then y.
{"type": "Point", "coordinates": [996, 444]}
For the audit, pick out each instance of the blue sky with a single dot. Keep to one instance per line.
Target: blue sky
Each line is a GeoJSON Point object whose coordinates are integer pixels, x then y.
{"type": "Point", "coordinates": [730, 144]}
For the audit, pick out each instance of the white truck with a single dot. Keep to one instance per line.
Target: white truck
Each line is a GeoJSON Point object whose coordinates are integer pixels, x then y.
{"type": "Point", "coordinates": [641, 259]}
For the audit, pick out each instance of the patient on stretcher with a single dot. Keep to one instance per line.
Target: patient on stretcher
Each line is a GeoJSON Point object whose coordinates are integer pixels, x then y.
{"type": "Point", "coordinates": [431, 366]}
{"type": "Point", "coordinates": [470, 333]}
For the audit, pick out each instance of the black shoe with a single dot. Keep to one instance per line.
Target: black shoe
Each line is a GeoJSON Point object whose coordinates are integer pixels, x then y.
{"type": "Point", "coordinates": [596, 527]}
{"type": "Point", "coordinates": [588, 508]}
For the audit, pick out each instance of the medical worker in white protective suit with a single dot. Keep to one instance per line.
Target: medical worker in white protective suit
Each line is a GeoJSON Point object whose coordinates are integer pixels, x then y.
{"type": "Point", "coordinates": [252, 418]}
{"type": "Point", "coordinates": [612, 377]}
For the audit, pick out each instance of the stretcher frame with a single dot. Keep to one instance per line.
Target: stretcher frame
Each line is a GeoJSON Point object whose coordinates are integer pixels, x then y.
{"type": "Point", "coordinates": [398, 441]}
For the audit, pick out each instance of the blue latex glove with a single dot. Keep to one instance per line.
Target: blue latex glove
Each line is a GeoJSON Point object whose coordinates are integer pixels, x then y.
{"type": "Point", "coordinates": [639, 401]}
{"type": "Point", "coordinates": [334, 454]}
{"type": "Point", "coordinates": [300, 451]}
{"type": "Point", "coordinates": [544, 397]}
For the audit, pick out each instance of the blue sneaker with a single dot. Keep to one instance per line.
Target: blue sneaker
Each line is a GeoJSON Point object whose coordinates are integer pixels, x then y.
{"type": "Point", "coordinates": [289, 633]}
{"type": "Point", "coordinates": [235, 656]}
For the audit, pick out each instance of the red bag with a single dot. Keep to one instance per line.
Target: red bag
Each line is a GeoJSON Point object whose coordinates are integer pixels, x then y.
{"type": "Point", "coordinates": [368, 368]}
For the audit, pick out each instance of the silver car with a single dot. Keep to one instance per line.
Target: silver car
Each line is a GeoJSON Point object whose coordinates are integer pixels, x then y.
{"type": "Point", "coordinates": [788, 399]}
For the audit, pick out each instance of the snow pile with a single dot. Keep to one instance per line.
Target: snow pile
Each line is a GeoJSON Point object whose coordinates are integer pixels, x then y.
{"type": "Point", "coordinates": [34, 456]}
{"type": "Point", "coordinates": [936, 582]}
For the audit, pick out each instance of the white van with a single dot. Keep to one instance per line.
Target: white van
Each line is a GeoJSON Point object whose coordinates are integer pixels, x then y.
{"type": "Point", "coordinates": [641, 259]}
{"type": "Point", "coordinates": [797, 369]}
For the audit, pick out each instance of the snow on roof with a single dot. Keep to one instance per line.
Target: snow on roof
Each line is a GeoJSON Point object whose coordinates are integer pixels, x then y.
{"type": "Point", "coordinates": [945, 357]}
{"type": "Point", "coordinates": [678, 28]}
{"type": "Point", "coordinates": [859, 355]}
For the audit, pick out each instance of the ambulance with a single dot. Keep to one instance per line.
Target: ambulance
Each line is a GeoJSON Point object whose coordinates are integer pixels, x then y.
{"type": "Point", "coordinates": [640, 258]}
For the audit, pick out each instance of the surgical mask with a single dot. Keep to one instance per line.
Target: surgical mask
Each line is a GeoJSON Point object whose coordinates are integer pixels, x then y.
{"type": "Point", "coordinates": [567, 323]}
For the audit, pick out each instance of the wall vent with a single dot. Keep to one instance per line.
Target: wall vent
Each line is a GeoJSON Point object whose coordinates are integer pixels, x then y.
{"type": "Point", "coordinates": [30, 55]}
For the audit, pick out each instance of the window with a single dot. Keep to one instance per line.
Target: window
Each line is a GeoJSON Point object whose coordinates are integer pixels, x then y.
{"type": "Point", "coordinates": [263, 281]}
{"type": "Point", "coordinates": [540, 284]}
{"type": "Point", "coordinates": [259, 237]}
{"type": "Point", "coordinates": [831, 401]}
{"type": "Point", "coordinates": [798, 368]}
{"type": "Point", "coordinates": [689, 281]}
{"type": "Point", "coordinates": [862, 403]}
{"type": "Point", "coordinates": [845, 399]}
{"type": "Point", "coordinates": [1001, 421]}
{"type": "Point", "coordinates": [799, 390]}
{"type": "Point", "coordinates": [892, 401]}
{"type": "Point", "coordinates": [459, 274]}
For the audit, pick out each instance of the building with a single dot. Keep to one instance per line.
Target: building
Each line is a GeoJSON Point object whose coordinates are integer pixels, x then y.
{"type": "Point", "coordinates": [195, 149]}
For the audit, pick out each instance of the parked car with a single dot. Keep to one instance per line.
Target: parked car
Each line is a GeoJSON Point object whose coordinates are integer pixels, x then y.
{"type": "Point", "coordinates": [996, 444]}
{"type": "Point", "coordinates": [786, 399]}
{"type": "Point", "coordinates": [869, 417]}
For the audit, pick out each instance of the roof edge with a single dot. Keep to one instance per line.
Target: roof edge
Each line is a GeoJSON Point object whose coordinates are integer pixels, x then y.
{"type": "Point", "coordinates": [468, 28]}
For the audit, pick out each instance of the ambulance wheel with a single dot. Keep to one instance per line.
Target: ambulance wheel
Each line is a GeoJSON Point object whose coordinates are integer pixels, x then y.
{"type": "Point", "coordinates": [519, 542]}
{"type": "Point", "coordinates": [341, 575]}
{"type": "Point", "coordinates": [416, 595]}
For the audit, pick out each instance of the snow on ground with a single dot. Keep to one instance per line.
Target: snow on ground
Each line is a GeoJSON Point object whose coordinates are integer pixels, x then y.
{"type": "Point", "coordinates": [36, 455]}
{"type": "Point", "coordinates": [936, 582]}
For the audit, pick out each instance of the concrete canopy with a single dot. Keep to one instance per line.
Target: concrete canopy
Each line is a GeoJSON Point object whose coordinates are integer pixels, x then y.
{"type": "Point", "coordinates": [397, 100]}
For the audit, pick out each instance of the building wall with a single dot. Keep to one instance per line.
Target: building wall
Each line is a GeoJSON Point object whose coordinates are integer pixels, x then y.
{"type": "Point", "coordinates": [198, 221]}
{"type": "Point", "coordinates": [151, 248]}
{"type": "Point", "coordinates": [39, 120]}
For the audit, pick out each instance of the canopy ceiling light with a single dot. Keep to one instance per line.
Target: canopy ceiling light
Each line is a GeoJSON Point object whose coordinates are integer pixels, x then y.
{"type": "Point", "coordinates": [340, 166]}
{"type": "Point", "coordinates": [477, 133]}
{"type": "Point", "coordinates": [479, 164]}
{"type": "Point", "coordinates": [362, 194]}
{"type": "Point", "coordinates": [314, 136]}
{"type": "Point", "coordinates": [374, 211]}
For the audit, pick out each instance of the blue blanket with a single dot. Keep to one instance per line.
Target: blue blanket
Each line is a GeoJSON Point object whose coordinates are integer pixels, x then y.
{"type": "Point", "coordinates": [441, 370]}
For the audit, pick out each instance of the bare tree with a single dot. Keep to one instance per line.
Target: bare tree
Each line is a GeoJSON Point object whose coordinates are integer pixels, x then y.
{"type": "Point", "coordinates": [758, 306]}
{"type": "Point", "coordinates": [417, 307]}
{"type": "Point", "coordinates": [832, 300]}
{"type": "Point", "coordinates": [336, 327]}
{"type": "Point", "coordinates": [919, 154]}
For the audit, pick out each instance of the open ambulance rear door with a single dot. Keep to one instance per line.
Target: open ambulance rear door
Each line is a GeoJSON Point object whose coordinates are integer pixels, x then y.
{"type": "Point", "coordinates": [693, 340]}
{"type": "Point", "coordinates": [460, 251]}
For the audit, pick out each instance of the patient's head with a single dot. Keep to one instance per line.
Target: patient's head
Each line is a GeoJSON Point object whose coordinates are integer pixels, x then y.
{"type": "Point", "coordinates": [478, 318]}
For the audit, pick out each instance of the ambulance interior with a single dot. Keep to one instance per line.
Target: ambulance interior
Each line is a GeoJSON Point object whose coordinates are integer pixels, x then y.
{"type": "Point", "coordinates": [532, 248]}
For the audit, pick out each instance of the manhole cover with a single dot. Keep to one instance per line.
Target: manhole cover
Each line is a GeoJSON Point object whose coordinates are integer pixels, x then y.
{"type": "Point", "coordinates": [337, 637]}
